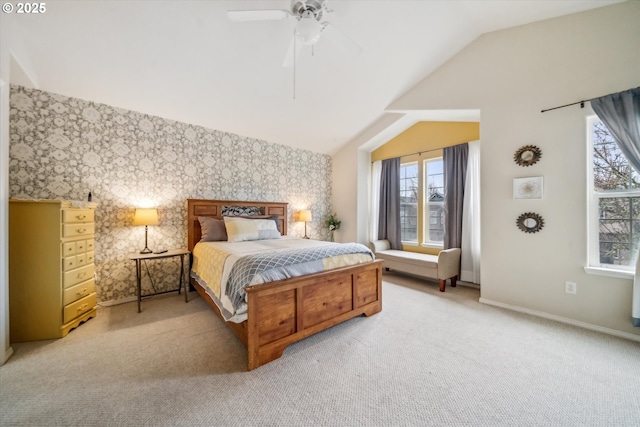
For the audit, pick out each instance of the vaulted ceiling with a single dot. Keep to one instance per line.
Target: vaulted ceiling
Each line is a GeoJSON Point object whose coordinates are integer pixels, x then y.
{"type": "Point", "coordinates": [187, 61]}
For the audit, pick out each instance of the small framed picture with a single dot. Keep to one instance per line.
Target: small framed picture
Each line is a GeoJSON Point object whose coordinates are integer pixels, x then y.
{"type": "Point", "coordinates": [527, 188]}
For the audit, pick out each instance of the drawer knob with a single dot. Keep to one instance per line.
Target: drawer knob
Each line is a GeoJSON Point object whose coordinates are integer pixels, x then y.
{"type": "Point", "coordinates": [81, 216]}
{"type": "Point", "coordinates": [82, 292]}
{"type": "Point", "coordinates": [81, 230]}
{"type": "Point", "coordinates": [83, 307]}
{"type": "Point", "coordinates": [82, 274]}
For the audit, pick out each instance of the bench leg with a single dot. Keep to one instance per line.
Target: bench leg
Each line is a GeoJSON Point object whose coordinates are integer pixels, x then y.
{"type": "Point", "coordinates": [453, 281]}
{"type": "Point", "coordinates": [443, 283]}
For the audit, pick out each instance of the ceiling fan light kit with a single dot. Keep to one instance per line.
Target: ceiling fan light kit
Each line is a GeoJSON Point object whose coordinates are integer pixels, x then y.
{"type": "Point", "coordinates": [309, 29]}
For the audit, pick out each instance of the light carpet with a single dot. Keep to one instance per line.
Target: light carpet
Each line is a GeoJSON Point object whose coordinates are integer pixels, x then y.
{"type": "Point", "coordinates": [428, 358]}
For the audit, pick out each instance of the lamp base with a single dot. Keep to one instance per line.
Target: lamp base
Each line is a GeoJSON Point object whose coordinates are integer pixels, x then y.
{"type": "Point", "coordinates": [146, 249]}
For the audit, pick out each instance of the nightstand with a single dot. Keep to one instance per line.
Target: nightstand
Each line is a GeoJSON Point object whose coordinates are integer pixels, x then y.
{"type": "Point", "coordinates": [138, 258]}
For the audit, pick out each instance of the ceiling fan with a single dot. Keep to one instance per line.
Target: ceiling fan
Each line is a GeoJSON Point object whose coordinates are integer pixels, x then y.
{"type": "Point", "coordinates": [309, 28]}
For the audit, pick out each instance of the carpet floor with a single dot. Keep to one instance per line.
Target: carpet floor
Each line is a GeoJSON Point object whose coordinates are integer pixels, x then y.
{"type": "Point", "coordinates": [428, 358]}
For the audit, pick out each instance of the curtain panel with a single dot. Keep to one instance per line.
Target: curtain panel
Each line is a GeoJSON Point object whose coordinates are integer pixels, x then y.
{"type": "Point", "coordinates": [374, 214]}
{"type": "Point", "coordinates": [454, 160]}
{"type": "Point", "coordinates": [620, 112]}
{"type": "Point", "coordinates": [389, 216]}
{"type": "Point", "coordinates": [470, 246]}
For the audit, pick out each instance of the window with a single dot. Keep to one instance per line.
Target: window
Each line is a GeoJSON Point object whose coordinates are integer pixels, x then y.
{"type": "Point", "coordinates": [614, 202]}
{"type": "Point", "coordinates": [434, 202]}
{"type": "Point", "coordinates": [409, 202]}
{"type": "Point", "coordinates": [422, 202]}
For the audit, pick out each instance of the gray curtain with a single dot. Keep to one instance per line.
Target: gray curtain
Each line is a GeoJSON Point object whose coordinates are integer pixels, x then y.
{"type": "Point", "coordinates": [454, 160]}
{"type": "Point", "coordinates": [620, 112]}
{"type": "Point", "coordinates": [389, 221]}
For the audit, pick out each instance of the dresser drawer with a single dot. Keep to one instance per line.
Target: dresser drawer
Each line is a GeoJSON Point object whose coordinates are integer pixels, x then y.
{"type": "Point", "coordinates": [74, 230]}
{"type": "Point", "coordinates": [81, 259]}
{"type": "Point", "coordinates": [81, 246]}
{"type": "Point", "coordinates": [90, 257]}
{"type": "Point", "coordinates": [68, 248]}
{"type": "Point", "coordinates": [69, 263]}
{"type": "Point", "coordinates": [78, 275]}
{"type": "Point", "coordinates": [90, 245]}
{"type": "Point", "coordinates": [79, 307]}
{"type": "Point", "coordinates": [78, 291]}
{"type": "Point", "coordinates": [77, 215]}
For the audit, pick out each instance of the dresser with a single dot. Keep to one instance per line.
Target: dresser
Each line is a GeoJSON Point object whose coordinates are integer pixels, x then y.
{"type": "Point", "coordinates": [51, 267]}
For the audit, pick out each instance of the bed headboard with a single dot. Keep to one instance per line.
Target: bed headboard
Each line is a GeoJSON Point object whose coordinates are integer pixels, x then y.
{"type": "Point", "coordinates": [217, 208]}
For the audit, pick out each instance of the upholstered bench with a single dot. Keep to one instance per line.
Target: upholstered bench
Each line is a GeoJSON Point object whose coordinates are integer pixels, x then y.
{"type": "Point", "coordinates": [441, 267]}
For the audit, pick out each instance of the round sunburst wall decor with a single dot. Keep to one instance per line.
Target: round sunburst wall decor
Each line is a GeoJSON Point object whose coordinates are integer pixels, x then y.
{"type": "Point", "coordinates": [527, 155]}
{"type": "Point", "coordinates": [530, 222]}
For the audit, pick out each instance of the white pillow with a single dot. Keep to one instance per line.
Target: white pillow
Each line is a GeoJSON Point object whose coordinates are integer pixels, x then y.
{"type": "Point", "coordinates": [243, 229]}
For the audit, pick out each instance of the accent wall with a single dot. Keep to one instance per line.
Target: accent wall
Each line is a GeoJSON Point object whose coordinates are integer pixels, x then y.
{"type": "Point", "coordinates": [64, 148]}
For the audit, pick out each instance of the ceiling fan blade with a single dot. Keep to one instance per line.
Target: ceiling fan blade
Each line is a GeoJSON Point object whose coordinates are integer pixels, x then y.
{"type": "Point", "coordinates": [288, 59]}
{"type": "Point", "coordinates": [257, 15]}
{"type": "Point", "coordinates": [341, 40]}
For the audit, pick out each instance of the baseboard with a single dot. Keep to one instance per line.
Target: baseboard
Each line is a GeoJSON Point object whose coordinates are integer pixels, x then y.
{"type": "Point", "coordinates": [561, 319]}
{"type": "Point", "coordinates": [111, 303]}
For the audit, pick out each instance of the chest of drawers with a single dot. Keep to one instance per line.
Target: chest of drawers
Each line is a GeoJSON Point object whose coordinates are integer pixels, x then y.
{"type": "Point", "coordinates": [51, 268]}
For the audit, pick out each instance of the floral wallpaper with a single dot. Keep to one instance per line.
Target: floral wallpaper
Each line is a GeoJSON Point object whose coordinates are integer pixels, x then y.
{"type": "Point", "coordinates": [64, 148]}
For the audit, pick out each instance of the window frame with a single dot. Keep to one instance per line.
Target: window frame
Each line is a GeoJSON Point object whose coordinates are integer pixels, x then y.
{"type": "Point", "coordinates": [422, 226]}
{"type": "Point", "coordinates": [594, 266]}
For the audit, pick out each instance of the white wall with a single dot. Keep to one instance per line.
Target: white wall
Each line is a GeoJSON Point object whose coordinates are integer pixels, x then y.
{"type": "Point", "coordinates": [510, 75]}
{"type": "Point", "coordinates": [13, 59]}
{"type": "Point", "coordinates": [351, 170]}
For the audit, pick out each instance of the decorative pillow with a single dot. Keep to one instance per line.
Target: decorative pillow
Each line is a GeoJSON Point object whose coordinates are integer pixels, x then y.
{"type": "Point", "coordinates": [244, 229]}
{"type": "Point", "coordinates": [213, 230]}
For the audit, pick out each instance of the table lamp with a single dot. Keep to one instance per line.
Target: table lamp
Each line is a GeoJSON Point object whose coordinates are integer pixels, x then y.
{"type": "Point", "coordinates": [146, 217]}
{"type": "Point", "coordinates": [305, 215]}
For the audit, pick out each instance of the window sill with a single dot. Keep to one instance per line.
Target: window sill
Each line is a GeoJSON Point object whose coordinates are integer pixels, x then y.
{"type": "Point", "coordinates": [610, 272]}
{"type": "Point", "coordinates": [432, 245]}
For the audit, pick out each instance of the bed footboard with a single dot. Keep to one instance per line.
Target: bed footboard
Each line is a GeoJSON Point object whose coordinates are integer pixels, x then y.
{"type": "Point", "coordinates": [283, 312]}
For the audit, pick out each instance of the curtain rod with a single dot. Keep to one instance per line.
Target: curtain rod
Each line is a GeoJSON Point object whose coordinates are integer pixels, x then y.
{"type": "Point", "coordinates": [568, 105]}
{"type": "Point", "coordinates": [581, 102]}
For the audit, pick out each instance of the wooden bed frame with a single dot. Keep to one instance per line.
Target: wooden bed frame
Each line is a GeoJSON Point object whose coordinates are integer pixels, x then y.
{"type": "Point", "coordinates": [286, 311]}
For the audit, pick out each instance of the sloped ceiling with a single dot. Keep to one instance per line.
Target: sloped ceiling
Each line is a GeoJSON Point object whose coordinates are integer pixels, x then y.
{"type": "Point", "coordinates": [185, 60]}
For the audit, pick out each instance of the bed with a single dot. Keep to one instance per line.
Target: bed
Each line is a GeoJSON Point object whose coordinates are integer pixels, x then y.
{"type": "Point", "coordinates": [281, 312]}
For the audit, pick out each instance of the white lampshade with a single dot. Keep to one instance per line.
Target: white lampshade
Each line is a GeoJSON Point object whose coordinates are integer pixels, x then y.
{"type": "Point", "coordinates": [145, 216]}
{"type": "Point", "coordinates": [308, 30]}
{"type": "Point", "coordinates": [305, 215]}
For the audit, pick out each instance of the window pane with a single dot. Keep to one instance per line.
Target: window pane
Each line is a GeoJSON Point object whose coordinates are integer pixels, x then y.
{"type": "Point", "coordinates": [434, 201]}
{"type": "Point", "coordinates": [409, 202]}
{"type": "Point", "coordinates": [611, 170]}
{"type": "Point", "coordinates": [618, 230]}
